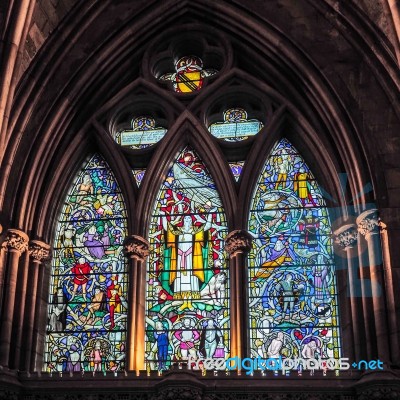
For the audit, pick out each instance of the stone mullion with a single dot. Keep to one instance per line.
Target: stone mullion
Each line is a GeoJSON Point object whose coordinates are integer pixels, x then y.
{"type": "Point", "coordinates": [137, 250]}
{"type": "Point", "coordinates": [237, 245]}
{"type": "Point", "coordinates": [132, 266]}
{"type": "Point", "coordinates": [16, 243]}
{"type": "Point", "coordinates": [346, 237]}
{"type": "Point", "coordinates": [19, 312]}
{"type": "Point", "coordinates": [368, 226]}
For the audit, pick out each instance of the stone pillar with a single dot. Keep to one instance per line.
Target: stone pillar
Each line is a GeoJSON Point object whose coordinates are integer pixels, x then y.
{"type": "Point", "coordinates": [368, 226]}
{"type": "Point", "coordinates": [390, 284]}
{"type": "Point", "coordinates": [15, 244]}
{"type": "Point", "coordinates": [38, 252]}
{"type": "Point", "coordinates": [237, 245]}
{"type": "Point", "coordinates": [22, 284]}
{"type": "Point", "coordinates": [346, 237]}
{"type": "Point", "coordinates": [3, 257]}
{"type": "Point", "coordinates": [137, 250]}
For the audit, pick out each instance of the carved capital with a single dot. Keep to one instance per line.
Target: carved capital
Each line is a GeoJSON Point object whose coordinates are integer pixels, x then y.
{"type": "Point", "coordinates": [238, 242]}
{"type": "Point", "coordinates": [368, 223]}
{"type": "Point", "coordinates": [39, 251]}
{"type": "Point", "coordinates": [346, 236]}
{"type": "Point", "coordinates": [136, 246]}
{"type": "Point", "coordinates": [16, 240]}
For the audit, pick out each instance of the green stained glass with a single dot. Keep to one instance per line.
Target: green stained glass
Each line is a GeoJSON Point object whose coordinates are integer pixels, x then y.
{"type": "Point", "coordinates": [87, 312]}
{"type": "Point", "coordinates": [187, 273]}
{"type": "Point", "coordinates": [292, 286]}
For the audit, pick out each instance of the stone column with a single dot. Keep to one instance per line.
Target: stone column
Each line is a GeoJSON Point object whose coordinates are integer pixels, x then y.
{"type": "Point", "coordinates": [137, 250]}
{"type": "Point", "coordinates": [22, 284]}
{"type": "Point", "coordinates": [38, 252]}
{"type": "Point", "coordinates": [3, 254]}
{"type": "Point", "coordinates": [368, 226]}
{"type": "Point", "coordinates": [346, 237]}
{"type": "Point", "coordinates": [390, 284]}
{"type": "Point", "coordinates": [237, 245]}
{"type": "Point", "coordinates": [15, 244]}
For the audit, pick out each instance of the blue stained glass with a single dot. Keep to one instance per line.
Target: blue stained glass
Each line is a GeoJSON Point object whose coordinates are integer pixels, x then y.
{"type": "Point", "coordinates": [236, 168]}
{"type": "Point", "coordinates": [87, 311]}
{"type": "Point", "coordinates": [187, 276]}
{"type": "Point", "coordinates": [292, 288]}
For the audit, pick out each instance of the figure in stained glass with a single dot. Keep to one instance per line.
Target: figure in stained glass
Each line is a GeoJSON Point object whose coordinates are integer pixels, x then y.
{"type": "Point", "coordinates": [292, 288]}
{"type": "Point", "coordinates": [189, 75]}
{"type": "Point", "coordinates": [187, 272]}
{"type": "Point", "coordinates": [85, 308]}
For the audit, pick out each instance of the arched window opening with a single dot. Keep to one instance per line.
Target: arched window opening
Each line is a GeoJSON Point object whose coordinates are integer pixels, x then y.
{"type": "Point", "coordinates": [87, 311]}
{"type": "Point", "coordinates": [187, 275]}
{"type": "Point", "coordinates": [292, 289]}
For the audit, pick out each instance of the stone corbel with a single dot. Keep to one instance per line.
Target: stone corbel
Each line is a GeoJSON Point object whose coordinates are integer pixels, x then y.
{"type": "Point", "coordinates": [136, 247]}
{"type": "Point", "coordinates": [39, 251]}
{"type": "Point", "coordinates": [238, 241]}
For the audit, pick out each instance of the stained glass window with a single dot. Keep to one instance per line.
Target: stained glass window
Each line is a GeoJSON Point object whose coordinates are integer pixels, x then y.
{"type": "Point", "coordinates": [236, 168]}
{"type": "Point", "coordinates": [138, 174]}
{"type": "Point", "coordinates": [187, 275]}
{"type": "Point", "coordinates": [144, 133]}
{"type": "Point", "coordinates": [292, 288]}
{"type": "Point", "coordinates": [87, 312]}
{"type": "Point", "coordinates": [235, 126]}
{"type": "Point", "coordinates": [189, 75]}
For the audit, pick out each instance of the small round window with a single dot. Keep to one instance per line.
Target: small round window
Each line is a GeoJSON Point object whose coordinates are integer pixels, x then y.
{"type": "Point", "coordinates": [235, 126]}
{"type": "Point", "coordinates": [143, 133]}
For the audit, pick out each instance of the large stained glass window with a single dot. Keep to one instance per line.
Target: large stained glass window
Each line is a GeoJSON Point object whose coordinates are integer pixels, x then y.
{"type": "Point", "coordinates": [189, 75]}
{"type": "Point", "coordinates": [87, 311]}
{"type": "Point", "coordinates": [292, 289]}
{"type": "Point", "coordinates": [187, 277]}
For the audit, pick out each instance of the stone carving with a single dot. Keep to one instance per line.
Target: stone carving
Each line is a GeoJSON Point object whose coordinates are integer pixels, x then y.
{"type": "Point", "coordinates": [238, 241]}
{"type": "Point", "coordinates": [346, 236]}
{"type": "Point", "coordinates": [16, 240]}
{"type": "Point", "coordinates": [39, 251]}
{"type": "Point", "coordinates": [368, 223]}
{"type": "Point", "coordinates": [136, 246]}
{"type": "Point", "coordinates": [178, 393]}
{"type": "Point", "coordinates": [380, 393]}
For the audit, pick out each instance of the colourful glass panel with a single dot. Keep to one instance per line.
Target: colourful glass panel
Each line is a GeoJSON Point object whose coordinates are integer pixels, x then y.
{"type": "Point", "coordinates": [187, 273]}
{"type": "Point", "coordinates": [292, 288]}
{"type": "Point", "coordinates": [189, 75]}
{"type": "Point", "coordinates": [235, 126]}
{"type": "Point", "coordinates": [144, 133]}
{"type": "Point", "coordinates": [138, 174]}
{"type": "Point", "coordinates": [87, 311]}
{"type": "Point", "coordinates": [236, 168]}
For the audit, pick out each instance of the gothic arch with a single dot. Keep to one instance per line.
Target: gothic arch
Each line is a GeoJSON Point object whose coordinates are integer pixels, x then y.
{"type": "Point", "coordinates": [70, 98]}
{"type": "Point", "coordinates": [186, 131]}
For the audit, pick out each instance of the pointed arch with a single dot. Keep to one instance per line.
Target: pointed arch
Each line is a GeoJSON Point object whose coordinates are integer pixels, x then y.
{"type": "Point", "coordinates": [87, 311]}
{"type": "Point", "coordinates": [187, 293]}
{"type": "Point", "coordinates": [186, 132]}
{"type": "Point", "coordinates": [293, 301]}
